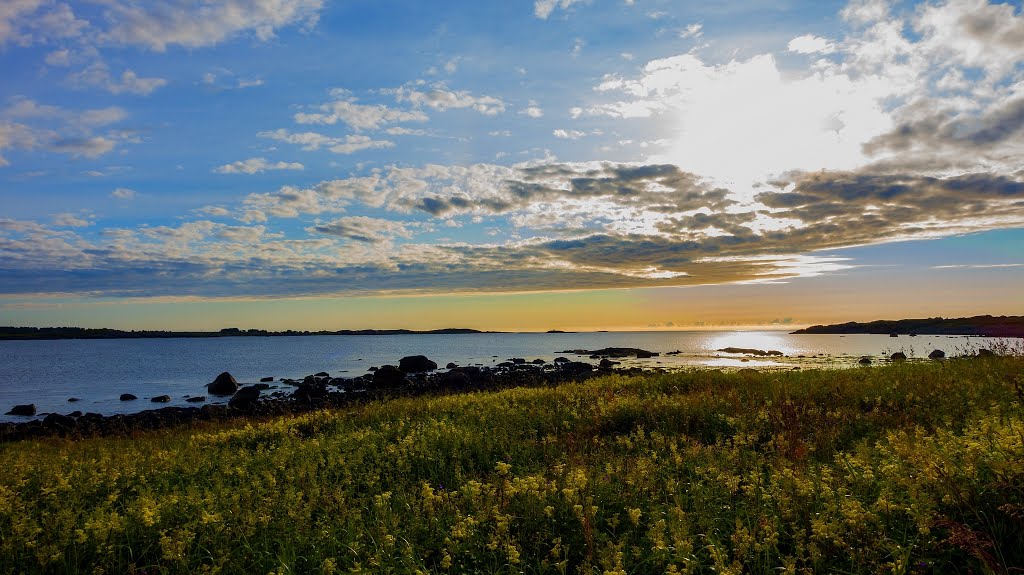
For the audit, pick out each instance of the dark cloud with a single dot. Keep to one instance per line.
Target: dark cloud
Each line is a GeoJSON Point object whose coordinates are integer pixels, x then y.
{"type": "Point", "coordinates": [943, 130]}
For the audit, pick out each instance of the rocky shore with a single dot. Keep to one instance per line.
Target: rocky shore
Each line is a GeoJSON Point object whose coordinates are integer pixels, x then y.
{"type": "Point", "coordinates": [414, 375]}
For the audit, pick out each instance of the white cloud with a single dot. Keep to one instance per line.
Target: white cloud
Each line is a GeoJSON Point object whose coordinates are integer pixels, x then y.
{"type": "Point", "coordinates": [98, 74]}
{"type": "Point", "coordinates": [695, 30]}
{"type": "Point", "coordinates": [256, 166]}
{"type": "Point", "coordinates": [574, 134]}
{"type": "Point", "coordinates": [157, 24]}
{"type": "Point", "coordinates": [440, 98]}
{"type": "Point", "coordinates": [358, 116]}
{"type": "Point", "coordinates": [356, 142]}
{"type": "Point", "coordinates": [69, 220]}
{"type": "Point", "coordinates": [811, 44]}
{"type": "Point", "coordinates": [123, 194]}
{"type": "Point", "coordinates": [543, 8]}
{"type": "Point", "coordinates": [533, 110]}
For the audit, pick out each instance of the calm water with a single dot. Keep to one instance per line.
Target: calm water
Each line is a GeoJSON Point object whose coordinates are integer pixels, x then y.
{"type": "Point", "coordinates": [47, 373]}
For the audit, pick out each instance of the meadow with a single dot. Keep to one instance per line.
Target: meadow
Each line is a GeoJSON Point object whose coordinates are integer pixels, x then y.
{"type": "Point", "coordinates": [903, 468]}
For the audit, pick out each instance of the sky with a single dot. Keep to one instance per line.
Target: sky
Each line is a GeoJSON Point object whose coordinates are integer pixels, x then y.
{"type": "Point", "coordinates": [521, 165]}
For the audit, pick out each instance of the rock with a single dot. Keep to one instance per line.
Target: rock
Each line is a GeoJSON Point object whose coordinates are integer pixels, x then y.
{"type": "Point", "coordinates": [538, 361]}
{"type": "Point", "coordinates": [245, 397]}
{"type": "Point", "coordinates": [561, 360]}
{"type": "Point", "coordinates": [128, 397]}
{"type": "Point", "coordinates": [616, 352]}
{"type": "Point", "coordinates": [898, 356]}
{"type": "Point", "coordinates": [266, 379]}
{"type": "Point", "coordinates": [161, 399]}
{"type": "Point", "coordinates": [451, 365]}
{"type": "Point", "coordinates": [577, 367]}
{"type": "Point", "coordinates": [416, 364]}
{"type": "Point", "coordinates": [372, 368]}
{"type": "Point", "coordinates": [27, 409]}
{"type": "Point", "coordinates": [75, 414]}
{"type": "Point", "coordinates": [455, 380]}
{"type": "Point", "coordinates": [986, 353]}
{"type": "Point", "coordinates": [894, 335]}
{"type": "Point", "coordinates": [59, 421]}
{"type": "Point", "coordinates": [865, 361]}
{"type": "Point", "coordinates": [225, 384]}
{"type": "Point", "coordinates": [517, 360]}
{"type": "Point", "coordinates": [196, 399]}
{"type": "Point", "coordinates": [607, 363]}
{"type": "Point", "coordinates": [388, 376]}
{"type": "Point", "coordinates": [937, 354]}
{"type": "Point", "coordinates": [322, 374]}
{"type": "Point", "coordinates": [749, 351]}
{"type": "Point", "coordinates": [73, 399]}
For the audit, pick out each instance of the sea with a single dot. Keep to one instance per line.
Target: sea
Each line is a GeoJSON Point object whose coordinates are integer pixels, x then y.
{"type": "Point", "coordinates": [49, 373]}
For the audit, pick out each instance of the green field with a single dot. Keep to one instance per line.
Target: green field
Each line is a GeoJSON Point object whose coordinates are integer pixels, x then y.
{"type": "Point", "coordinates": [914, 468]}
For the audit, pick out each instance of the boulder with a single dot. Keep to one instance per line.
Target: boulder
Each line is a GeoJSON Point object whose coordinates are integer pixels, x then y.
{"type": "Point", "coordinates": [517, 360]}
{"type": "Point", "coordinates": [56, 420]}
{"type": "Point", "coordinates": [27, 409]}
{"type": "Point", "coordinates": [865, 361]}
{"type": "Point", "coordinates": [266, 379]}
{"type": "Point", "coordinates": [538, 361]}
{"type": "Point", "coordinates": [416, 364]}
{"type": "Point", "coordinates": [561, 360]}
{"type": "Point", "coordinates": [73, 399]}
{"type": "Point", "coordinates": [388, 376]}
{"type": "Point", "coordinates": [898, 356]}
{"type": "Point", "coordinates": [128, 397]}
{"type": "Point", "coordinates": [937, 354]}
{"type": "Point", "coordinates": [161, 399]}
{"type": "Point", "coordinates": [322, 374]}
{"type": "Point", "coordinates": [225, 384]}
{"type": "Point", "coordinates": [607, 363]}
{"type": "Point", "coordinates": [196, 399]}
{"type": "Point", "coordinates": [577, 367]}
{"type": "Point", "coordinates": [456, 380]}
{"type": "Point", "coordinates": [986, 353]}
{"type": "Point", "coordinates": [451, 365]}
{"type": "Point", "coordinates": [245, 397]}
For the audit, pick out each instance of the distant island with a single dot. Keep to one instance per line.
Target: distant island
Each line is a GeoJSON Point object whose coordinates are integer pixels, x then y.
{"type": "Point", "coordinates": [981, 325]}
{"type": "Point", "coordinates": [25, 333]}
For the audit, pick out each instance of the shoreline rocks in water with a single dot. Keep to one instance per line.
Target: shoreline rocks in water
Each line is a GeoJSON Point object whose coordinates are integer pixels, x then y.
{"type": "Point", "coordinates": [751, 351]}
{"type": "Point", "coordinates": [224, 384]}
{"type": "Point", "coordinates": [614, 352]}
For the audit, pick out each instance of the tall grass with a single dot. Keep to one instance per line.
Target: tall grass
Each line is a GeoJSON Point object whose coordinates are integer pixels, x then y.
{"type": "Point", "coordinates": [900, 469]}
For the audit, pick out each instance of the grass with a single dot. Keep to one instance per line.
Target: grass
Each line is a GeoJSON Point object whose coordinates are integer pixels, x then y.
{"type": "Point", "coordinates": [915, 468]}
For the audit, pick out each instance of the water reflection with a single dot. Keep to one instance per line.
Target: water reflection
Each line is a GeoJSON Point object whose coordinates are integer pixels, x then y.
{"type": "Point", "coordinates": [752, 340]}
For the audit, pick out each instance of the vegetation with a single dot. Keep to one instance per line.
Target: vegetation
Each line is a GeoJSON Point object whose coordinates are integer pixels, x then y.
{"type": "Point", "coordinates": [913, 468]}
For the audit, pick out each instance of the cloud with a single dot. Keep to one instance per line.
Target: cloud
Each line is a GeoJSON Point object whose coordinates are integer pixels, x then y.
{"type": "Point", "coordinates": [312, 141]}
{"type": "Point", "coordinates": [533, 111]}
{"type": "Point", "coordinates": [161, 23]}
{"type": "Point", "coordinates": [98, 74]}
{"type": "Point", "coordinates": [810, 44]}
{"type": "Point", "coordinates": [28, 22]}
{"type": "Point", "coordinates": [70, 220]}
{"type": "Point", "coordinates": [28, 125]}
{"type": "Point", "coordinates": [440, 98]}
{"type": "Point", "coordinates": [256, 166]}
{"type": "Point", "coordinates": [123, 194]}
{"type": "Point", "coordinates": [364, 229]}
{"type": "Point", "coordinates": [346, 110]}
{"type": "Point", "coordinates": [695, 30]}
{"type": "Point", "coordinates": [543, 8]}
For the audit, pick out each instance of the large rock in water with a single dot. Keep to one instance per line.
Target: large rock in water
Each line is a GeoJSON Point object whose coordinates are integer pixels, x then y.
{"type": "Point", "coordinates": [225, 384]}
{"type": "Point", "coordinates": [416, 364]}
{"type": "Point", "coordinates": [388, 376]}
{"type": "Point", "coordinates": [898, 356]}
{"type": "Point", "coordinates": [245, 397]}
{"type": "Point", "coordinates": [937, 354]}
{"type": "Point", "coordinates": [27, 409]}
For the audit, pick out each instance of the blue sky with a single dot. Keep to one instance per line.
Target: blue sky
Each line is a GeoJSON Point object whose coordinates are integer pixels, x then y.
{"type": "Point", "coordinates": [181, 155]}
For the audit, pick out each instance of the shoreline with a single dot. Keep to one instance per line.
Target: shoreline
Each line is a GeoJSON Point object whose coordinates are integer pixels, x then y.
{"type": "Point", "coordinates": [321, 391]}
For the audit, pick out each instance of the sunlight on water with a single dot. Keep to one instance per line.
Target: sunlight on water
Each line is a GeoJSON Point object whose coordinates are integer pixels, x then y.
{"type": "Point", "coordinates": [752, 340]}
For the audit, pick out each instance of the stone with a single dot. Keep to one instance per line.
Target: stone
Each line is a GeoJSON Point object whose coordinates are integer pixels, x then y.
{"type": "Point", "coordinates": [224, 384]}
{"type": "Point", "coordinates": [196, 399]}
{"type": "Point", "coordinates": [538, 361]}
{"type": "Point", "coordinates": [607, 363]}
{"type": "Point", "coordinates": [27, 409]}
{"type": "Point", "coordinates": [986, 353]}
{"type": "Point", "coordinates": [161, 399]}
{"type": "Point", "coordinates": [416, 364]}
{"type": "Point", "coordinates": [451, 365]}
{"type": "Point", "coordinates": [245, 397]}
{"type": "Point", "coordinates": [388, 376]}
{"type": "Point", "coordinates": [898, 356]}
{"type": "Point", "coordinates": [128, 397]}
{"type": "Point", "coordinates": [266, 379]}
{"type": "Point", "coordinates": [865, 361]}
{"type": "Point", "coordinates": [73, 399]}
{"type": "Point", "coordinates": [937, 354]}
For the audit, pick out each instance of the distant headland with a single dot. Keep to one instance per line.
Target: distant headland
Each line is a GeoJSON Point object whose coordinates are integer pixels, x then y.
{"type": "Point", "coordinates": [22, 333]}
{"type": "Point", "coordinates": [981, 325]}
